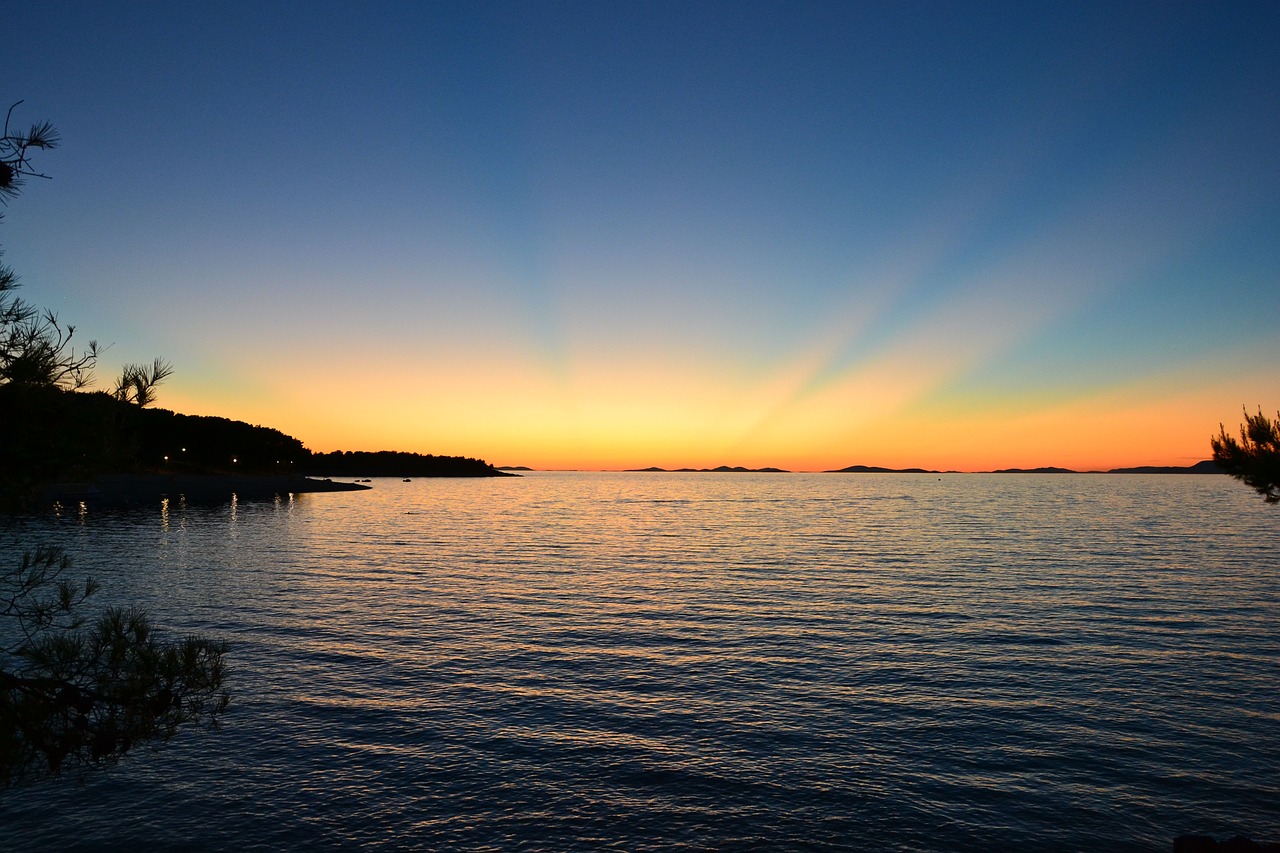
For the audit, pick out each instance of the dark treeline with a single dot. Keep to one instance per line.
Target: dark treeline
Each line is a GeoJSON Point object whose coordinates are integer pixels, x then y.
{"type": "Point", "coordinates": [49, 434]}
{"type": "Point", "coordinates": [388, 463]}
{"type": "Point", "coordinates": [52, 435]}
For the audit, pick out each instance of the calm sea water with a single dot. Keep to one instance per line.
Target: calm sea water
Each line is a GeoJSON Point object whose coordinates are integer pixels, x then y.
{"type": "Point", "coordinates": [713, 662]}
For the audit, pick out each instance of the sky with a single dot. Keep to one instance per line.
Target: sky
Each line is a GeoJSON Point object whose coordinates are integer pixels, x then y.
{"type": "Point", "coordinates": [611, 235]}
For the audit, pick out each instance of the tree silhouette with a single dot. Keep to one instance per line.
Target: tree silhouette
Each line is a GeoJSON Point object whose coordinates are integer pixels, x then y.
{"type": "Point", "coordinates": [1254, 459]}
{"type": "Point", "coordinates": [35, 348]}
{"type": "Point", "coordinates": [15, 153]}
{"type": "Point", "coordinates": [74, 696]}
{"type": "Point", "coordinates": [137, 382]}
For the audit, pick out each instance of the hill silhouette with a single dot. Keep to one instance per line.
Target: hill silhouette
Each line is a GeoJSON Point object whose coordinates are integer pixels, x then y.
{"type": "Point", "coordinates": [50, 435]}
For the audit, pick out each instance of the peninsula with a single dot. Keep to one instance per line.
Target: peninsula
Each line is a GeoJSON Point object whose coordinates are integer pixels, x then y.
{"type": "Point", "coordinates": [62, 445]}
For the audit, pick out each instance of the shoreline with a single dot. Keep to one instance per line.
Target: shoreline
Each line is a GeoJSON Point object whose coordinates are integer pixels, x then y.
{"type": "Point", "coordinates": [143, 488]}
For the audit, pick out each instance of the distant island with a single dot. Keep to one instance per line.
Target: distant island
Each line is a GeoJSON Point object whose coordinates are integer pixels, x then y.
{"type": "Point", "coordinates": [83, 445]}
{"type": "Point", "coordinates": [1205, 467]}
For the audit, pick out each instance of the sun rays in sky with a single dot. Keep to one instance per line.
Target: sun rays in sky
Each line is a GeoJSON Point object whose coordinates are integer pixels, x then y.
{"type": "Point", "coordinates": [954, 236]}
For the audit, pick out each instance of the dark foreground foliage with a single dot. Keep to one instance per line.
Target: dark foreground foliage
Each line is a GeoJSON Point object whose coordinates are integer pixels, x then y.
{"type": "Point", "coordinates": [1254, 459]}
{"type": "Point", "coordinates": [75, 695]}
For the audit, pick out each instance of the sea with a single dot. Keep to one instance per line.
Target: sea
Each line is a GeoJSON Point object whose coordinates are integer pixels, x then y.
{"type": "Point", "coordinates": [571, 661]}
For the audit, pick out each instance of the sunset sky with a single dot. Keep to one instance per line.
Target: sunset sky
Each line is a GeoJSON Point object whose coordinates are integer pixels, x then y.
{"type": "Point", "coordinates": [613, 235]}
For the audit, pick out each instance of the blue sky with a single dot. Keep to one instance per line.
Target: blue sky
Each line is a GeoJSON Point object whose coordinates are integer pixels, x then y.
{"type": "Point", "coordinates": [615, 235]}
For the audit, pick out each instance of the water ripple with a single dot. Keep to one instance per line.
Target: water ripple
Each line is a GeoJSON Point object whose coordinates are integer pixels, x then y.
{"type": "Point", "coordinates": [649, 662]}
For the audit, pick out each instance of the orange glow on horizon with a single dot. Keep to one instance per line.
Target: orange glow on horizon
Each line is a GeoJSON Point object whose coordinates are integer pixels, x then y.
{"type": "Point", "coordinates": [894, 412]}
{"type": "Point", "coordinates": [1082, 436]}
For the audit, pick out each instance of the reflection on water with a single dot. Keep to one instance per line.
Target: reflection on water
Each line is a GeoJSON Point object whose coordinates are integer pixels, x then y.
{"type": "Point", "coordinates": [585, 661]}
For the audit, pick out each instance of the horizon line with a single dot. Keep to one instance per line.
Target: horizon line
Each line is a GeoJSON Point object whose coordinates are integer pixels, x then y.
{"type": "Point", "coordinates": [1203, 466]}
